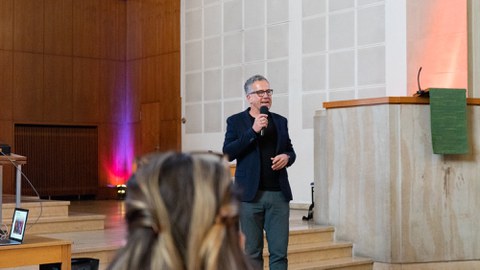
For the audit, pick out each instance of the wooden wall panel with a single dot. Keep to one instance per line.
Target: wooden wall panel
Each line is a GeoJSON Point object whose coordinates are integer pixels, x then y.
{"type": "Point", "coordinates": [6, 136]}
{"type": "Point", "coordinates": [87, 85]}
{"type": "Point", "coordinates": [153, 28]}
{"type": "Point", "coordinates": [134, 27]}
{"type": "Point", "coordinates": [173, 5]}
{"type": "Point", "coordinates": [144, 77]}
{"type": "Point", "coordinates": [144, 28]}
{"type": "Point", "coordinates": [28, 87]}
{"type": "Point", "coordinates": [58, 89]}
{"type": "Point", "coordinates": [6, 24]}
{"type": "Point", "coordinates": [151, 32]}
{"type": "Point", "coordinates": [169, 135]}
{"type": "Point", "coordinates": [113, 96]}
{"type": "Point", "coordinates": [99, 28]}
{"type": "Point", "coordinates": [58, 27]}
{"type": "Point", "coordinates": [170, 27]}
{"type": "Point", "coordinates": [113, 29]}
{"type": "Point", "coordinates": [107, 133]}
{"type": "Point", "coordinates": [133, 96]}
{"type": "Point", "coordinates": [150, 127]}
{"type": "Point", "coordinates": [157, 78]}
{"type": "Point", "coordinates": [6, 132]}
{"type": "Point", "coordinates": [28, 26]}
{"type": "Point", "coordinates": [157, 24]}
{"type": "Point", "coordinates": [67, 62]}
{"type": "Point", "coordinates": [137, 133]}
{"type": "Point", "coordinates": [134, 68]}
{"type": "Point", "coordinates": [169, 88]}
{"type": "Point", "coordinates": [6, 85]}
{"type": "Point", "coordinates": [159, 134]}
{"type": "Point", "coordinates": [86, 28]}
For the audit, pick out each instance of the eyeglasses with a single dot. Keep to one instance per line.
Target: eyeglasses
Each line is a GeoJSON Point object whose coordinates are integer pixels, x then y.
{"type": "Point", "coordinates": [262, 93]}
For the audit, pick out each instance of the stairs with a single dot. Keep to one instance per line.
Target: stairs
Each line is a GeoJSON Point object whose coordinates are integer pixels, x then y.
{"type": "Point", "coordinates": [54, 219]}
{"type": "Point", "coordinates": [314, 248]}
{"type": "Point", "coordinates": [311, 247]}
{"type": "Point", "coordinates": [50, 216]}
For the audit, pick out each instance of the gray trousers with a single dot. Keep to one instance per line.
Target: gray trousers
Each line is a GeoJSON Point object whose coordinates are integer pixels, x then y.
{"type": "Point", "coordinates": [270, 211]}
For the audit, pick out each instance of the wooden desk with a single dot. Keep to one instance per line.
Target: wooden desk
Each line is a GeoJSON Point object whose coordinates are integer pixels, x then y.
{"type": "Point", "coordinates": [37, 250]}
{"type": "Point", "coordinates": [18, 161]}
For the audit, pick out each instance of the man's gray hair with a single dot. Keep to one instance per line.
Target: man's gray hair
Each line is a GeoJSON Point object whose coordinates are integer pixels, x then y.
{"type": "Point", "coordinates": [248, 84]}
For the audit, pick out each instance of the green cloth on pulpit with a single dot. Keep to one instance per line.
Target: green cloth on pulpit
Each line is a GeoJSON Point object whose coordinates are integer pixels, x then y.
{"type": "Point", "coordinates": [448, 120]}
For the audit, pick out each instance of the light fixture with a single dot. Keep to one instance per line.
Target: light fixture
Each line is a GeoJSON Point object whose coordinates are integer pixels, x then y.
{"type": "Point", "coordinates": [121, 191]}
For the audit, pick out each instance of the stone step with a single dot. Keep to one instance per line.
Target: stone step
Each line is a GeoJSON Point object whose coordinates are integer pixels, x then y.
{"type": "Point", "coordinates": [315, 252]}
{"type": "Point", "coordinates": [350, 263]}
{"type": "Point", "coordinates": [47, 208]}
{"type": "Point", "coordinates": [103, 245]}
{"type": "Point", "coordinates": [51, 216]}
{"type": "Point", "coordinates": [74, 222]}
{"type": "Point", "coordinates": [312, 235]}
{"type": "Point", "coordinates": [315, 248]}
{"type": "Point", "coordinates": [310, 246]}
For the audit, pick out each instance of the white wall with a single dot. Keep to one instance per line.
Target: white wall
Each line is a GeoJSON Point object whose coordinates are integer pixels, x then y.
{"type": "Point", "coordinates": [312, 51]}
{"type": "Point", "coordinates": [474, 48]}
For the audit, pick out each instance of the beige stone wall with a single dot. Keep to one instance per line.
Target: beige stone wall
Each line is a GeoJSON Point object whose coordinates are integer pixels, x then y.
{"type": "Point", "coordinates": [379, 183]}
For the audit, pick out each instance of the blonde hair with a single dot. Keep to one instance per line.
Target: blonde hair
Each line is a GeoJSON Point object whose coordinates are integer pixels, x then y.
{"type": "Point", "coordinates": [182, 213]}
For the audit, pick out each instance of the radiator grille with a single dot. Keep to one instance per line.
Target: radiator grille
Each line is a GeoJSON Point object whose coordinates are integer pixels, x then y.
{"type": "Point", "coordinates": [61, 160]}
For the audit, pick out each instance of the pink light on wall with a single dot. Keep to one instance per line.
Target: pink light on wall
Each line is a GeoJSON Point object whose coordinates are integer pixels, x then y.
{"type": "Point", "coordinates": [120, 167]}
{"type": "Point", "coordinates": [119, 162]}
{"type": "Point", "coordinates": [437, 42]}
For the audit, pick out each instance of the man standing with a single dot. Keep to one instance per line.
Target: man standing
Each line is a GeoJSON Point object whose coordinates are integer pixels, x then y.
{"type": "Point", "coordinates": [259, 141]}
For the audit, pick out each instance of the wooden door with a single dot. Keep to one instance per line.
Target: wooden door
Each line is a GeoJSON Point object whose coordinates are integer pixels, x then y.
{"type": "Point", "coordinates": [160, 132]}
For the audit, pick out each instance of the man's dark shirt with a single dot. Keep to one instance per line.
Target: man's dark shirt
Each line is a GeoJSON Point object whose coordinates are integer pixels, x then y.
{"type": "Point", "coordinates": [267, 144]}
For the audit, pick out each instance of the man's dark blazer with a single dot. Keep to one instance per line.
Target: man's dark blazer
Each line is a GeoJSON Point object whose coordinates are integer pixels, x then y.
{"type": "Point", "coordinates": [241, 144]}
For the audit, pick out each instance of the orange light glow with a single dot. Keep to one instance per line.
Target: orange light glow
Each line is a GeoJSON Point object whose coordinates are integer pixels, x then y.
{"type": "Point", "coordinates": [437, 42]}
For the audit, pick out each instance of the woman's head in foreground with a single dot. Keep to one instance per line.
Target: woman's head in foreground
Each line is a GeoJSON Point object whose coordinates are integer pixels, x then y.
{"type": "Point", "coordinates": [181, 214]}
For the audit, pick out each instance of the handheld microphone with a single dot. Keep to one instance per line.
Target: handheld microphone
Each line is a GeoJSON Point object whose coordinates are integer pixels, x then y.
{"type": "Point", "coordinates": [263, 110]}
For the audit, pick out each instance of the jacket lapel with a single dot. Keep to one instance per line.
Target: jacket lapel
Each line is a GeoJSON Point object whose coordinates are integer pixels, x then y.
{"type": "Point", "coordinates": [246, 118]}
